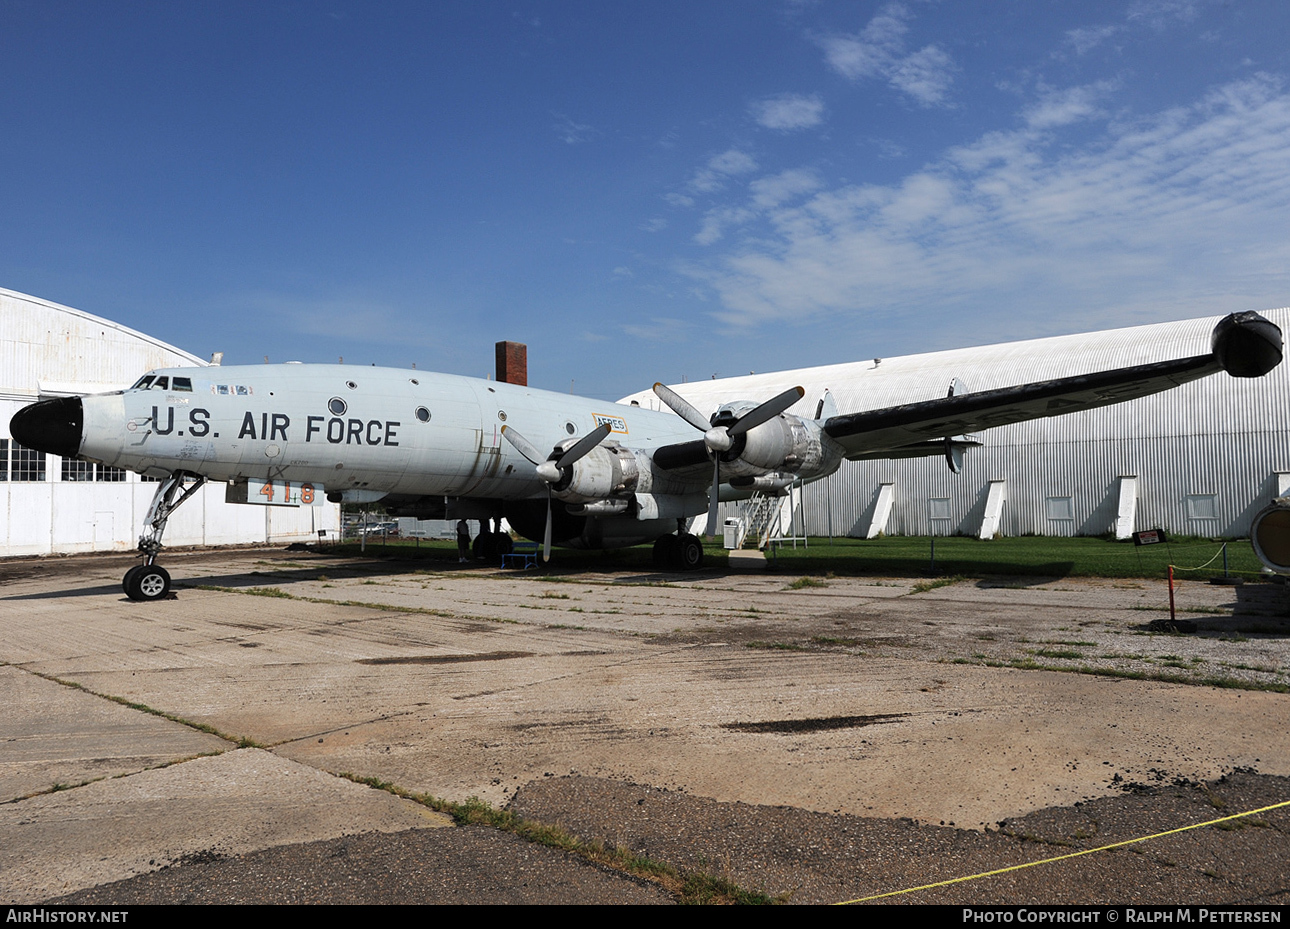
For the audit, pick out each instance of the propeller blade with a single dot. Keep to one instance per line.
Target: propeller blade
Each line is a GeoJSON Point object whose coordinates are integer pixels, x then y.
{"type": "Point", "coordinates": [767, 411]}
{"type": "Point", "coordinates": [523, 445]}
{"type": "Point", "coordinates": [681, 407]}
{"type": "Point", "coordinates": [546, 534]}
{"type": "Point", "coordinates": [712, 496]}
{"type": "Point", "coordinates": [584, 445]}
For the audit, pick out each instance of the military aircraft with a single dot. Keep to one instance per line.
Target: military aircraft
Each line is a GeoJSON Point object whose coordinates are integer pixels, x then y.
{"type": "Point", "coordinates": [443, 446]}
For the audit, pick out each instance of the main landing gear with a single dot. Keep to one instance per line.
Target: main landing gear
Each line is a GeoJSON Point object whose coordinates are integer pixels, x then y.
{"type": "Point", "coordinates": [150, 581]}
{"type": "Point", "coordinates": [490, 545]}
{"type": "Point", "coordinates": [682, 551]}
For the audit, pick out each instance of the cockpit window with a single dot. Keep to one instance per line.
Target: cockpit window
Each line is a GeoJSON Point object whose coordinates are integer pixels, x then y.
{"type": "Point", "coordinates": [161, 383]}
{"type": "Point", "coordinates": [142, 383]}
{"type": "Point", "coordinates": [182, 383]}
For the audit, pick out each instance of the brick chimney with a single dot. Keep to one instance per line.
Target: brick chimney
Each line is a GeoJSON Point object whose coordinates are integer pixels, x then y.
{"type": "Point", "coordinates": [513, 363]}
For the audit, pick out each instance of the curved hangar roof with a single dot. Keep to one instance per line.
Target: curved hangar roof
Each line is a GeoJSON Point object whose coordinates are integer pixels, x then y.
{"type": "Point", "coordinates": [50, 350]}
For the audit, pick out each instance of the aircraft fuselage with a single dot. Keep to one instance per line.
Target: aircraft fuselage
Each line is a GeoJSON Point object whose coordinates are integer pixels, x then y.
{"type": "Point", "coordinates": [350, 428]}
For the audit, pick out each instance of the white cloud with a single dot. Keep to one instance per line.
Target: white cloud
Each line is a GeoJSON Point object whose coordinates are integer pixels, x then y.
{"type": "Point", "coordinates": [1086, 39]}
{"type": "Point", "coordinates": [713, 176]}
{"type": "Point", "coordinates": [788, 111]}
{"type": "Point", "coordinates": [1148, 216]}
{"type": "Point", "coordinates": [661, 329]}
{"type": "Point", "coordinates": [1063, 107]}
{"type": "Point", "coordinates": [1157, 13]}
{"type": "Point", "coordinates": [878, 51]}
{"type": "Point", "coordinates": [774, 190]}
{"type": "Point", "coordinates": [571, 132]}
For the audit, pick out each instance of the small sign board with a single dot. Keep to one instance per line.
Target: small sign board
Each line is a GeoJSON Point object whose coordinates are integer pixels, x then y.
{"type": "Point", "coordinates": [1149, 537]}
{"type": "Point", "coordinates": [274, 493]}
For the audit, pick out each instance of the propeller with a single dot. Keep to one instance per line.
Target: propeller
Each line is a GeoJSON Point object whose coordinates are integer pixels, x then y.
{"type": "Point", "coordinates": [719, 439]}
{"type": "Point", "coordinates": [550, 468]}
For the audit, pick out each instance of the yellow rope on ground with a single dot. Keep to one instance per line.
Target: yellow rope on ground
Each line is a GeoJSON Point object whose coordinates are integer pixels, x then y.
{"type": "Point", "coordinates": [1088, 851]}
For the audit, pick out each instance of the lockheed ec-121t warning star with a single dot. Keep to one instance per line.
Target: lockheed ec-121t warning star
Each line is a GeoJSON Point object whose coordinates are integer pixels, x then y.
{"type": "Point", "coordinates": [443, 446]}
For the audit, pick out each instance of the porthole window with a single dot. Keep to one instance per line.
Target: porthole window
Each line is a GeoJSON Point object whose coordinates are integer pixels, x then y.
{"type": "Point", "coordinates": [351, 385]}
{"type": "Point", "coordinates": [501, 415]}
{"type": "Point", "coordinates": [570, 428]}
{"type": "Point", "coordinates": [423, 414]}
{"type": "Point", "coordinates": [337, 406]}
{"type": "Point", "coordinates": [414, 381]}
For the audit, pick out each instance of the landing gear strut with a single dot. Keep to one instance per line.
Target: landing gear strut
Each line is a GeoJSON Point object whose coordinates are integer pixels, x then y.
{"type": "Point", "coordinates": [149, 581]}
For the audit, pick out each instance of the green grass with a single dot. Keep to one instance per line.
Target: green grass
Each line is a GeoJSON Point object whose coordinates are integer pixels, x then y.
{"type": "Point", "coordinates": [900, 556]}
{"type": "Point", "coordinates": [1032, 556]}
{"type": "Point", "coordinates": [693, 887]}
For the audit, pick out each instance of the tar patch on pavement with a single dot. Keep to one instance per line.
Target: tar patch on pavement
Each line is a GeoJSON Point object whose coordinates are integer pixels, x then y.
{"type": "Point", "coordinates": [815, 725]}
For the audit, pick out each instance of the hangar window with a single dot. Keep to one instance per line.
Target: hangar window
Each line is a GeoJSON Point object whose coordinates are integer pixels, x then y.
{"type": "Point", "coordinates": [4, 459]}
{"type": "Point", "coordinates": [109, 474]}
{"type": "Point", "coordinates": [1202, 506]}
{"type": "Point", "coordinates": [938, 508]}
{"type": "Point", "coordinates": [1060, 507]}
{"type": "Point", "coordinates": [26, 464]}
{"type": "Point", "coordinates": [77, 470]}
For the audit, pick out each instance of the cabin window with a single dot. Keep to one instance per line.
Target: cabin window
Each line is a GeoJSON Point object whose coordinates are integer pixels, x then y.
{"type": "Point", "coordinates": [161, 383]}
{"type": "Point", "coordinates": [182, 383]}
{"type": "Point", "coordinates": [423, 414]}
{"type": "Point", "coordinates": [142, 383]}
{"type": "Point", "coordinates": [337, 406]}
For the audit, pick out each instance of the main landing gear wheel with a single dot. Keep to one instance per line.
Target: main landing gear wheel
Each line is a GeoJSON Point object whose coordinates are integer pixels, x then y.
{"type": "Point", "coordinates": [683, 552]}
{"type": "Point", "coordinates": [667, 552]}
{"type": "Point", "coordinates": [147, 583]}
{"type": "Point", "coordinates": [690, 552]}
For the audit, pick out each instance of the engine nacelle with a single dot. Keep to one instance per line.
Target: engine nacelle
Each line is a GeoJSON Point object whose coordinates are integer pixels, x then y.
{"type": "Point", "coordinates": [605, 471]}
{"type": "Point", "coordinates": [785, 443]}
{"type": "Point", "coordinates": [1270, 535]}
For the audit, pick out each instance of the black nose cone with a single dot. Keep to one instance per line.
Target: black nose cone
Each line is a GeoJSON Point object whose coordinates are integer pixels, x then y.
{"type": "Point", "coordinates": [52, 426]}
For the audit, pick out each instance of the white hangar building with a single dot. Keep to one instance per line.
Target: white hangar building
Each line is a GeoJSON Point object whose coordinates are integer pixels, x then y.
{"type": "Point", "coordinates": [1201, 459]}
{"type": "Point", "coordinates": [50, 504]}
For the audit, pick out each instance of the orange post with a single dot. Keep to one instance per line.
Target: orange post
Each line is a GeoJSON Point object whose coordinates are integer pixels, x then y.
{"type": "Point", "coordinates": [1171, 593]}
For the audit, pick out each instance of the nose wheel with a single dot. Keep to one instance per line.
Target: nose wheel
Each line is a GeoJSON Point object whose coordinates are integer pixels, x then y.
{"type": "Point", "coordinates": [146, 583]}
{"type": "Point", "coordinates": [150, 581]}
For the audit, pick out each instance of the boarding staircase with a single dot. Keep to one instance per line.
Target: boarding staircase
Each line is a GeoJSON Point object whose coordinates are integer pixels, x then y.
{"type": "Point", "coordinates": [761, 519]}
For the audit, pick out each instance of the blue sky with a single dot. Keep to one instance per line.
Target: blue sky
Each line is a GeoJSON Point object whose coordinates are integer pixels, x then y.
{"type": "Point", "coordinates": [642, 191]}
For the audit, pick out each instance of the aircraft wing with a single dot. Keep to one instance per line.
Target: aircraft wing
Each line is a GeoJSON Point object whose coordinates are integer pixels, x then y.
{"type": "Point", "coordinates": [1243, 344]}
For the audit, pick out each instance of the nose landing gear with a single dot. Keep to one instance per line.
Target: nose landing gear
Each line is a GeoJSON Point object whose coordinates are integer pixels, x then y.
{"type": "Point", "coordinates": [149, 581]}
